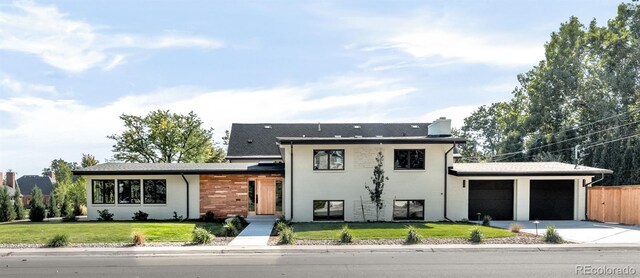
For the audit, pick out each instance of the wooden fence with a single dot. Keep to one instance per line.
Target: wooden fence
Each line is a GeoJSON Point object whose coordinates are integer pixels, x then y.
{"type": "Point", "coordinates": [618, 204]}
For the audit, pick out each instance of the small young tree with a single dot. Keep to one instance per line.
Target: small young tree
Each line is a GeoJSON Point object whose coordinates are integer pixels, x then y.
{"type": "Point", "coordinates": [65, 208]}
{"type": "Point", "coordinates": [375, 191]}
{"type": "Point", "coordinates": [53, 210]}
{"type": "Point", "coordinates": [37, 211]}
{"type": "Point", "coordinates": [18, 205]}
{"type": "Point", "coordinates": [7, 213]}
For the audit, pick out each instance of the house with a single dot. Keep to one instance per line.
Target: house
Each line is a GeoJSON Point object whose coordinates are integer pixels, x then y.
{"type": "Point", "coordinates": [28, 182]}
{"type": "Point", "coordinates": [318, 172]}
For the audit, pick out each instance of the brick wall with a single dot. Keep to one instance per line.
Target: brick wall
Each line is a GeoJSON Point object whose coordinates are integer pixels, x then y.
{"type": "Point", "coordinates": [226, 194]}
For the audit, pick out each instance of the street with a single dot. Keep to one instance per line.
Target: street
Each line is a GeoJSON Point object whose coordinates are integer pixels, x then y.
{"type": "Point", "coordinates": [378, 264]}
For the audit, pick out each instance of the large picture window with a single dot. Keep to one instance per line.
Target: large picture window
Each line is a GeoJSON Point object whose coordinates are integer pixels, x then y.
{"type": "Point", "coordinates": [408, 210]}
{"type": "Point", "coordinates": [408, 159]}
{"type": "Point", "coordinates": [103, 191]}
{"type": "Point", "coordinates": [128, 191]}
{"type": "Point", "coordinates": [328, 210]}
{"type": "Point", "coordinates": [155, 191]}
{"type": "Point", "coordinates": [328, 159]}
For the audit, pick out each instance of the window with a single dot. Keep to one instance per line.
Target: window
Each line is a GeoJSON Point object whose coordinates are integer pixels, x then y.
{"type": "Point", "coordinates": [103, 191]}
{"type": "Point", "coordinates": [408, 210]}
{"type": "Point", "coordinates": [328, 160]}
{"type": "Point", "coordinates": [328, 210]}
{"type": "Point", "coordinates": [408, 159]}
{"type": "Point", "coordinates": [155, 191]}
{"type": "Point", "coordinates": [128, 191]}
{"type": "Point", "coordinates": [252, 196]}
{"type": "Point", "coordinates": [278, 195]}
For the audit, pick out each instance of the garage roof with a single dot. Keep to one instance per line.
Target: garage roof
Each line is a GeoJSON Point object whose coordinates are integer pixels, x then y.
{"type": "Point", "coordinates": [524, 169]}
{"type": "Point", "coordinates": [180, 168]}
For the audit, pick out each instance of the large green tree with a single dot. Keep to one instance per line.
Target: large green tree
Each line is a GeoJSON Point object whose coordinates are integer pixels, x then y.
{"type": "Point", "coordinates": [88, 160]}
{"type": "Point", "coordinates": [162, 136]}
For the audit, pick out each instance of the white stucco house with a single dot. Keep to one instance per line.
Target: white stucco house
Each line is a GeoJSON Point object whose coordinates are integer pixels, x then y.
{"type": "Point", "coordinates": [318, 172]}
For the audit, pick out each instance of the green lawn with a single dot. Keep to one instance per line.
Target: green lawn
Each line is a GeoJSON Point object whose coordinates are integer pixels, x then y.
{"type": "Point", "coordinates": [319, 231]}
{"type": "Point", "coordinates": [94, 232]}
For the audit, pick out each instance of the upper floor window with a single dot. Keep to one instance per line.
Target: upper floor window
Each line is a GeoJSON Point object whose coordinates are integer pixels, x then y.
{"type": "Point", "coordinates": [408, 159]}
{"type": "Point", "coordinates": [328, 159]}
{"type": "Point", "coordinates": [155, 191]}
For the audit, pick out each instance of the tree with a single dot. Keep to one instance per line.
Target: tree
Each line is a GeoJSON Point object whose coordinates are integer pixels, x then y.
{"type": "Point", "coordinates": [161, 136]}
{"type": "Point", "coordinates": [62, 170]}
{"type": "Point", "coordinates": [88, 160]}
{"type": "Point", "coordinates": [7, 212]}
{"type": "Point", "coordinates": [378, 178]}
{"type": "Point", "coordinates": [37, 212]}
{"type": "Point", "coordinates": [66, 210]}
{"type": "Point", "coordinates": [18, 205]}
{"type": "Point", "coordinates": [53, 210]}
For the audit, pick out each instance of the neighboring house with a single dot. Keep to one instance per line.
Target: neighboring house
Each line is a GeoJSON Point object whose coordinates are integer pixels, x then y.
{"type": "Point", "coordinates": [318, 172]}
{"type": "Point", "coordinates": [28, 182]}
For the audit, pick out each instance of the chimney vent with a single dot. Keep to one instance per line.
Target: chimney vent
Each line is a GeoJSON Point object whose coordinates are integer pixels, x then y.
{"type": "Point", "coordinates": [11, 179]}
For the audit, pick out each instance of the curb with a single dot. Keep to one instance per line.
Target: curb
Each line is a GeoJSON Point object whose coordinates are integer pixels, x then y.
{"type": "Point", "coordinates": [221, 250]}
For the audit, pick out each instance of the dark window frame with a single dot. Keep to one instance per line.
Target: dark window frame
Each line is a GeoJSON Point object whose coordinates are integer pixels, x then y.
{"type": "Point", "coordinates": [93, 192]}
{"type": "Point", "coordinates": [313, 160]}
{"type": "Point", "coordinates": [408, 210]}
{"type": "Point", "coordinates": [279, 200]}
{"type": "Point", "coordinates": [251, 200]}
{"type": "Point", "coordinates": [424, 159]}
{"type": "Point", "coordinates": [144, 192]}
{"type": "Point", "coordinates": [328, 217]}
{"type": "Point", "coordinates": [130, 191]}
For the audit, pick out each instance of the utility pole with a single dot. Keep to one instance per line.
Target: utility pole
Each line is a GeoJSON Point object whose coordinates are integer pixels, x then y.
{"type": "Point", "coordinates": [576, 154]}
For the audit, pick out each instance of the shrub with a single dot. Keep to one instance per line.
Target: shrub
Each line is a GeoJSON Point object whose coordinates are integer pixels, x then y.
{"type": "Point", "coordinates": [7, 212]}
{"type": "Point", "coordinates": [37, 212]}
{"type": "Point", "coordinates": [58, 241]}
{"type": "Point", "coordinates": [242, 221]}
{"type": "Point", "coordinates": [77, 206]}
{"type": "Point", "coordinates": [69, 218]}
{"type": "Point", "coordinates": [176, 217]}
{"type": "Point", "coordinates": [486, 220]}
{"type": "Point", "coordinates": [209, 216]}
{"type": "Point", "coordinates": [236, 222]}
{"type": "Point", "coordinates": [286, 236]}
{"type": "Point", "coordinates": [476, 235]}
{"type": "Point", "coordinates": [104, 215]}
{"type": "Point", "coordinates": [515, 227]}
{"type": "Point", "coordinates": [138, 238]}
{"type": "Point", "coordinates": [18, 205]}
{"type": "Point", "coordinates": [66, 211]}
{"type": "Point", "coordinates": [345, 235]}
{"type": "Point", "coordinates": [229, 229]}
{"type": "Point", "coordinates": [53, 209]}
{"type": "Point", "coordinates": [281, 225]}
{"type": "Point", "coordinates": [552, 236]}
{"type": "Point", "coordinates": [140, 216]}
{"type": "Point", "coordinates": [83, 210]}
{"type": "Point", "coordinates": [412, 236]}
{"type": "Point", "coordinates": [201, 236]}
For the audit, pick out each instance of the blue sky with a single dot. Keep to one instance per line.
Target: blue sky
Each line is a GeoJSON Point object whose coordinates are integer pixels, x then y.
{"type": "Point", "coordinates": [68, 69]}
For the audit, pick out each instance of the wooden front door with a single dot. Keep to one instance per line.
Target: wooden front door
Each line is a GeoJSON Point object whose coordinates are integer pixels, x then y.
{"type": "Point", "coordinates": [266, 197]}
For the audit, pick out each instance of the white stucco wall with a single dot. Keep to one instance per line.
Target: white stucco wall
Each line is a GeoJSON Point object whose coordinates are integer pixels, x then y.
{"type": "Point", "coordinates": [458, 205]}
{"type": "Point", "coordinates": [176, 198]}
{"type": "Point", "coordinates": [348, 184]}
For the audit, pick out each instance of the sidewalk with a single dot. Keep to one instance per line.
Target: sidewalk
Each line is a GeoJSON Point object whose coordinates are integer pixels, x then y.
{"type": "Point", "coordinates": [256, 234]}
{"type": "Point", "coordinates": [301, 249]}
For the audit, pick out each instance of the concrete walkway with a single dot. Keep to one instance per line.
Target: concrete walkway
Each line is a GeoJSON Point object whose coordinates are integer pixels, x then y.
{"type": "Point", "coordinates": [256, 234]}
{"type": "Point", "coordinates": [581, 231]}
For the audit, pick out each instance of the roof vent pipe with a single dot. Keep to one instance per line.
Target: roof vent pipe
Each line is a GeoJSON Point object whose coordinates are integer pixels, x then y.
{"type": "Point", "coordinates": [319, 128]}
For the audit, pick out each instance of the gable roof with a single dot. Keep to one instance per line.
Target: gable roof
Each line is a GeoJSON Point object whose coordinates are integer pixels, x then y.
{"type": "Point", "coordinates": [524, 169]}
{"type": "Point", "coordinates": [28, 182]}
{"type": "Point", "coordinates": [180, 168]}
{"type": "Point", "coordinates": [260, 140]}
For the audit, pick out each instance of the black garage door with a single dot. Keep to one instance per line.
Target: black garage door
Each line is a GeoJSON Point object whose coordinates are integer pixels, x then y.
{"type": "Point", "coordinates": [551, 200]}
{"type": "Point", "coordinates": [491, 197]}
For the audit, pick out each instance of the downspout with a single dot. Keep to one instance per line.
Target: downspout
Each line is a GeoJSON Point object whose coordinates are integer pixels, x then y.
{"type": "Point", "coordinates": [446, 169]}
{"type": "Point", "coordinates": [187, 182]}
{"type": "Point", "coordinates": [291, 178]}
{"type": "Point", "coordinates": [586, 195]}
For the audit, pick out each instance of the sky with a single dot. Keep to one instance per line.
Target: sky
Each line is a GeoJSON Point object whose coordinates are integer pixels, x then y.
{"type": "Point", "coordinates": [68, 69]}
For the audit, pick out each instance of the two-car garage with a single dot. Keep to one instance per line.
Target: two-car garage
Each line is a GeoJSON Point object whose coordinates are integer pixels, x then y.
{"type": "Point", "coordinates": [548, 199]}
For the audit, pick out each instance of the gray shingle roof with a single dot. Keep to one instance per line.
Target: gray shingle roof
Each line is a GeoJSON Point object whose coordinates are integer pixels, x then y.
{"type": "Point", "coordinates": [9, 189]}
{"type": "Point", "coordinates": [254, 140]}
{"type": "Point", "coordinates": [180, 168]}
{"type": "Point", "coordinates": [524, 169]}
{"type": "Point", "coordinates": [28, 182]}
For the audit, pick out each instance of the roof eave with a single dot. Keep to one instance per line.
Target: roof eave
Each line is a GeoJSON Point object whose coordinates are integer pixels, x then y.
{"type": "Point", "coordinates": [175, 172]}
{"type": "Point", "coordinates": [521, 174]}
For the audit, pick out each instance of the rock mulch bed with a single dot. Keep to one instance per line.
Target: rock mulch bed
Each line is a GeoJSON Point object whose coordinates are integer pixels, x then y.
{"type": "Point", "coordinates": [521, 238]}
{"type": "Point", "coordinates": [218, 241]}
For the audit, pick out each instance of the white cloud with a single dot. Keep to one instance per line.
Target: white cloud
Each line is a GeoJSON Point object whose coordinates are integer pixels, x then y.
{"type": "Point", "coordinates": [75, 45]}
{"type": "Point", "coordinates": [13, 86]}
{"type": "Point", "coordinates": [36, 130]}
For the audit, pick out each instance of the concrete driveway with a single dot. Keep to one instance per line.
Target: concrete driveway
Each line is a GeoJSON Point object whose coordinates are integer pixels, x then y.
{"type": "Point", "coordinates": [581, 231]}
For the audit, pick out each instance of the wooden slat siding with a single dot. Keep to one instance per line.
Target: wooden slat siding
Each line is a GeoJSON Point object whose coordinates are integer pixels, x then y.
{"type": "Point", "coordinates": [619, 204]}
